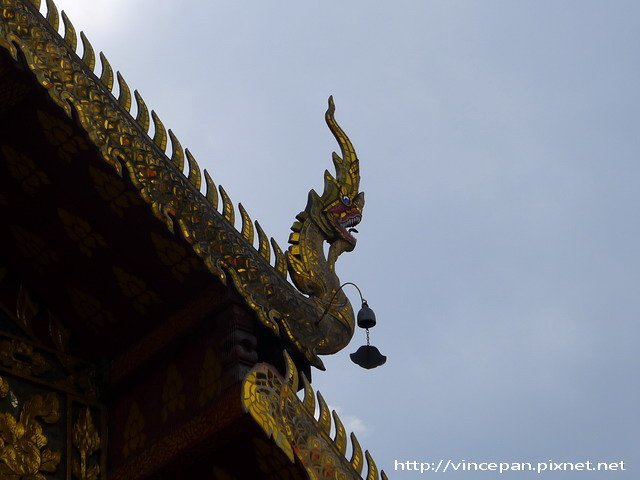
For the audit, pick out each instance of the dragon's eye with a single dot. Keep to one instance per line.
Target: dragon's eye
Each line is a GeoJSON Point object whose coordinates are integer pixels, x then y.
{"type": "Point", "coordinates": [346, 200]}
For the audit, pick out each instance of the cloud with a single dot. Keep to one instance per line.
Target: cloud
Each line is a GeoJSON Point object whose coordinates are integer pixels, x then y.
{"type": "Point", "coordinates": [498, 153]}
{"type": "Point", "coordinates": [353, 423]}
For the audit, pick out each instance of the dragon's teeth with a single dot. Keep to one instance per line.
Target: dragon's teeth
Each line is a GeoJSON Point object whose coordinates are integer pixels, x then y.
{"type": "Point", "coordinates": [350, 222]}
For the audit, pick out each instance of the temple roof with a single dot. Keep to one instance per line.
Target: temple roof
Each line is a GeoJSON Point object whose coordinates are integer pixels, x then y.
{"type": "Point", "coordinates": [104, 220]}
{"type": "Point", "coordinates": [179, 195]}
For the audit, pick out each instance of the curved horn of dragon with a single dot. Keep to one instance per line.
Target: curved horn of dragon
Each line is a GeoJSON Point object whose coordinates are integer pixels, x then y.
{"type": "Point", "coordinates": [330, 218]}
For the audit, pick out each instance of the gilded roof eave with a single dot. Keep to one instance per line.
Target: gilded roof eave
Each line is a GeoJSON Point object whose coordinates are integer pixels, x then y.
{"type": "Point", "coordinates": [273, 403]}
{"type": "Point", "coordinates": [174, 197]}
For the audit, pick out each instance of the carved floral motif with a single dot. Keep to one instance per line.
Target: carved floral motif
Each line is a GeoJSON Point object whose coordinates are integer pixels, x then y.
{"type": "Point", "coordinates": [80, 231]}
{"type": "Point", "coordinates": [61, 136]}
{"type": "Point", "coordinates": [173, 256]}
{"type": "Point", "coordinates": [34, 248]}
{"type": "Point", "coordinates": [86, 441]}
{"type": "Point", "coordinates": [112, 189]}
{"type": "Point", "coordinates": [23, 452]}
{"type": "Point", "coordinates": [4, 388]}
{"type": "Point", "coordinates": [21, 358]}
{"type": "Point", "coordinates": [135, 289]}
{"type": "Point", "coordinates": [23, 168]}
{"type": "Point", "coordinates": [90, 309]}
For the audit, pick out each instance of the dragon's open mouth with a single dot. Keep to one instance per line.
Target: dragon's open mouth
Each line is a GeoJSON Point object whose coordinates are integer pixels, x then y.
{"type": "Point", "coordinates": [346, 226]}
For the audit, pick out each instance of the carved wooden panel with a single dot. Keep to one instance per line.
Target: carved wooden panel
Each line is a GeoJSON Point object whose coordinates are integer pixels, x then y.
{"type": "Point", "coordinates": [51, 426]}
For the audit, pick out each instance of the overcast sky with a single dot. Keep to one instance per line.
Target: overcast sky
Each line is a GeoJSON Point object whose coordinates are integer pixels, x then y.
{"type": "Point", "coordinates": [499, 146]}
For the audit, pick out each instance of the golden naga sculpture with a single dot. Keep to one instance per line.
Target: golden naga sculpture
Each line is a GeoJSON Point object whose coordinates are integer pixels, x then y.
{"type": "Point", "coordinates": [331, 218]}
{"type": "Point", "coordinates": [308, 317]}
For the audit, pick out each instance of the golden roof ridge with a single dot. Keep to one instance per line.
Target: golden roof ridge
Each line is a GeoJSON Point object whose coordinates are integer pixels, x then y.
{"type": "Point", "coordinates": [321, 322]}
{"type": "Point", "coordinates": [159, 138]}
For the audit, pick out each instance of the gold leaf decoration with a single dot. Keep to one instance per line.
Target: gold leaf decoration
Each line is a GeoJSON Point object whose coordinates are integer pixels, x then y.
{"type": "Point", "coordinates": [4, 388]}
{"type": "Point", "coordinates": [90, 309]}
{"type": "Point", "coordinates": [61, 136]}
{"type": "Point", "coordinates": [23, 452]}
{"type": "Point", "coordinates": [124, 97]}
{"type": "Point", "coordinates": [69, 33]}
{"type": "Point", "coordinates": [87, 442]}
{"type": "Point", "coordinates": [272, 402]}
{"type": "Point", "coordinates": [174, 256]}
{"type": "Point", "coordinates": [135, 289]}
{"type": "Point", "coordinates": [261, 391]}
{"type": "Point", "coordinates": [112, 189]}
{"type": "Point", "coordinates": [80, 231]}
{"type": "Point", "coordinates": [34, 248]}
{"type": "Point", "coordinates": [52, 15]}
{"type": "Point", "coordinates": [88, 55]}
{"type": "Point", "coordinates": [20, 358]}
{"type": "Point", "coordinates": [23, 168]}
{"type": "Point", "coordinates": [174, 200]}
{"type": "Point", "coordinates": [142, 117]}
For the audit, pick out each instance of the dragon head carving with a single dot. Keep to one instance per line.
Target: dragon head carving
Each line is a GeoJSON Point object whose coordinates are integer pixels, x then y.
{"type": "Point", "coordinates": [329, 218]}
{"type": "Point", "coordinates": [341, 203]}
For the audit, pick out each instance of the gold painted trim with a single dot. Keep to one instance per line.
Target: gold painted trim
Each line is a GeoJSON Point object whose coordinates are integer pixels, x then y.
{"type": "Point", "coordinates": [272, 402]}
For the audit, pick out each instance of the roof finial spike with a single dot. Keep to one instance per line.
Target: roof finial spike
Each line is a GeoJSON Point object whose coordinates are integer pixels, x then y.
{"type": "Point", "coordinates": [347, 167]}
{"type": "Point", "coordinates": [324, 417]}
{"type": "Point", "coordinates": [142, 117]}
{"type": "Point", "coordinates": [247, 225]}
{"type": "Point", "coordinates": [357, 461]}
{"type": "Point", "coordinates": [309, 400]}
{"type": "Point", "coordinates": [340, 439]}
{"type": "Point", "coordinates": [124, 97]}
{"type": "Point", "coordinates": [194, 171]}
{"type": "Point", "coordinates": [107, 73]}
{"type": "Point", "coordinates": [291, 373]}
{"type": "Point", "coordinates": [227, 206]}
{"type": "Point", "coordinates": [212, 191]}
{"type": "Point", "coordinates": [372, 469]}
{"type": "Point", "coordinates": [88, 57]}
{"type": "Point", "coordinates": [160, 133]}
{"type": "Point", "coordinates": [69, 32]}
{"type": "Point", "coordinates": [281, 261]}
{"type": "Point", "coordinates": [52, 14]}
{"type": "Point", "coordinates": [383, 475]}
{"type": "Point", "coordinates": [263, 243]}
{"type": "Point", "coordinates": [177, 153]}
